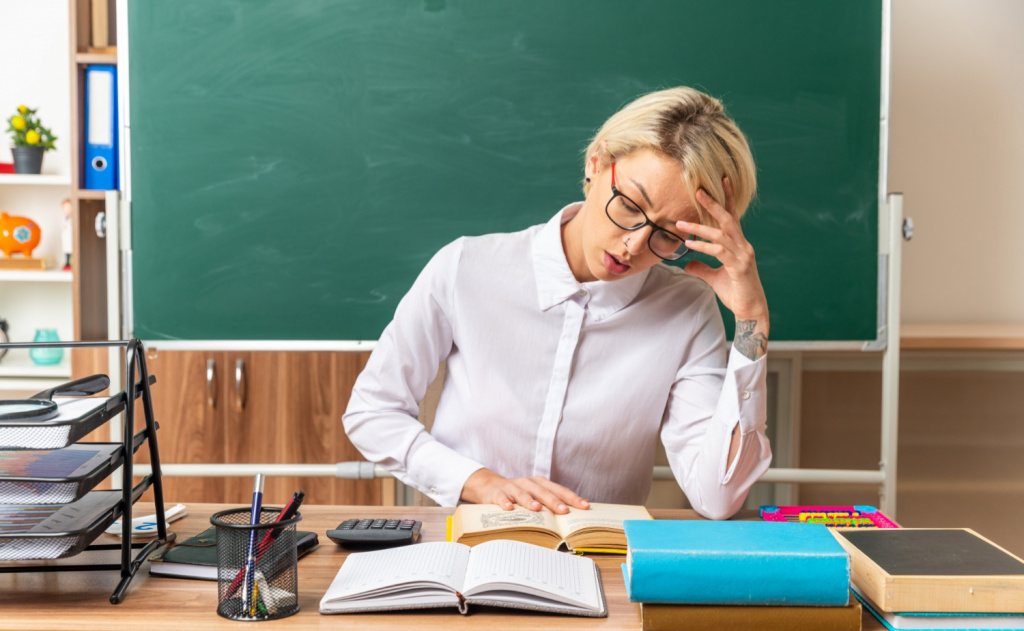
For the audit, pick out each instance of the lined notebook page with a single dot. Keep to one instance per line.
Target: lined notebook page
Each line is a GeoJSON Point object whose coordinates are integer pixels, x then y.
{"type": "Point", "coordinates": [367, 572]}
{"type": "Point", "coordinates": [567, 577]}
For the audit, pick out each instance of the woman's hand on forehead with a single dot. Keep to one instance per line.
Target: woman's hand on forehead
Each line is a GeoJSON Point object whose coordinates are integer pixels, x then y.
{"type": "Point", "coordinates": [736, 281]}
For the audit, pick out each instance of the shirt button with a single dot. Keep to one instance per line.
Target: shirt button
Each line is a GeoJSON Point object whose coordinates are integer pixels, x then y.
{"type": "Point", "coordinates": [433, 490]}
{"type": "Point", "coordinates": [582, 292]}
{"type": "Point", "coordinates": [745, 395]}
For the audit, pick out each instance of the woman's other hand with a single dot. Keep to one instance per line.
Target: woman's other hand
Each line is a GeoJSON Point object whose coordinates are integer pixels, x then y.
{"type": "Point", "coordinates": [736, 281]}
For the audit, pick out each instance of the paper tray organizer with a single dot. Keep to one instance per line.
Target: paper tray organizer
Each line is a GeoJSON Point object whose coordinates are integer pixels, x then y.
{"type": "Point", "coordinates": [23, 481]}
{"type": "Point", "coordinates": [69, 529]}
{"type": "Point", "coordinates": [75, 419]}
{"type": "Point", "coordinates": [50, 531]}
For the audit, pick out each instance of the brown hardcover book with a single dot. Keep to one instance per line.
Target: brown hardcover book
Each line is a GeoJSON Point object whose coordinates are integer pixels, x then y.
{"type": "Point", "coordinates": [597, 529]}
{"type": "Point", "coordinates": [939, 570]}
{"type": "Point", "coordinates": [657, 617]}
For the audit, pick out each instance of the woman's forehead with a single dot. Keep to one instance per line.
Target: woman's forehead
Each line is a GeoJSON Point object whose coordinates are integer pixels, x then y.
{"type": "Point", "coordinates": [658, 184]}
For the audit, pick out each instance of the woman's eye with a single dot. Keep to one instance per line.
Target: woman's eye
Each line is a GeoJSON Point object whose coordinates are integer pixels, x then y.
{"type": "Point", "coordinates": [669, 240]}
{"type": "Point", "coordinates": [630, 208]}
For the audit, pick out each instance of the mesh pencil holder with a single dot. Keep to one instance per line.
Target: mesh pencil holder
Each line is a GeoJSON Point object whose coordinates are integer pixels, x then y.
{"type": "Point", "coordinates": [267, 589]}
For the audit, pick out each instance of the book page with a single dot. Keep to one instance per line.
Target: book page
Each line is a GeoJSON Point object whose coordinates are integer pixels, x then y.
{"type": "Point", "coordinates": [437, 567]}
{"type": "Point", "coordinates": [501, 566]}
{"type": "Point", "coordinates": [484, 517]}
{"type": "Point", "coordinates": [599, 515]}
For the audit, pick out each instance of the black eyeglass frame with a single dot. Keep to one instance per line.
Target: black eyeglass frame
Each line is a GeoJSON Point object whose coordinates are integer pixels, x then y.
{"type": "Point", "coordinates": [647, 222]}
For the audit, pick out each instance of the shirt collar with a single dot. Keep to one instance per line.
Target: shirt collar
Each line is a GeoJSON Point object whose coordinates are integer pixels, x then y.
{"type": "Point", "coordinates": [556, 284]}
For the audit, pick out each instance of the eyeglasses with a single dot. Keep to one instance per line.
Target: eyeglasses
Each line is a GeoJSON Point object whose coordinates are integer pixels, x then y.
{"type": "Point", "coordinates": [626, 214]}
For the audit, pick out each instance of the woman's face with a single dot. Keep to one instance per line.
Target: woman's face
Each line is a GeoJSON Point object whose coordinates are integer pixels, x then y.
{"type": "Point", "coordinates": [596, 248]}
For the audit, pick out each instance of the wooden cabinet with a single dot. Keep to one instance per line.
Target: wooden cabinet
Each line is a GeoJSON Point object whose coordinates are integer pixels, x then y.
{"type": "Point", "coordinates": [256, 407]}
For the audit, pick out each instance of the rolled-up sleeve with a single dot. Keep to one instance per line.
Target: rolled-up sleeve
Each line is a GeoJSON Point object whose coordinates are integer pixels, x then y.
{"type": "Point", "coordinates": [381, 416]}
{"type": "Point", "coordinates": [708, 400]}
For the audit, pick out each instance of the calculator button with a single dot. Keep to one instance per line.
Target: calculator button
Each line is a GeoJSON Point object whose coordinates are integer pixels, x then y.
{"type": "Point", "coordinates": [392, 524]}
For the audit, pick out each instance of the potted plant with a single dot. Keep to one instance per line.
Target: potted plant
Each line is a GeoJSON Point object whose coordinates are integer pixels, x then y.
{"type": "Point", "coordinates": [30, 138]}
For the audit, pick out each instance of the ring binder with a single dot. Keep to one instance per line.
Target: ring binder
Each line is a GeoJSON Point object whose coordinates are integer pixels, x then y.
{"type": "Point", "coordinates": [67, 537]}
{"type": "Point", "coordinates": [101, 127]}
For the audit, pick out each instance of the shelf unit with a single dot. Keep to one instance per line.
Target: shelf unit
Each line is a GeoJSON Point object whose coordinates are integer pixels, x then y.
{"type": "Point", "coordinates": [35, 276]}
{"type": "Point", "coordinates": [54, 298]}
{"type": "Point", "coordinates": [35, 180]}
{"type": "Point", "coordinates": [89, 288]}
{"type": "Point", "coordinates": [96, 58]}
{"type": "Point", "coordinates": [18, 364]}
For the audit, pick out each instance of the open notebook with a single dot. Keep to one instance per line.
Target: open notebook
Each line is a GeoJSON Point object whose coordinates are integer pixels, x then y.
{"type": "Point", "coordinates": [444, 574]}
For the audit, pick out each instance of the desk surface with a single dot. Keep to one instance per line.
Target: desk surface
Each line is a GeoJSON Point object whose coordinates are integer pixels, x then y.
{"type": "Point", "coordinates": [79, 600]}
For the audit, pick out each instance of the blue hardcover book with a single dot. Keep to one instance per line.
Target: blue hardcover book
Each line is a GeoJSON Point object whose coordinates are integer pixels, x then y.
{"type": "Point", "coordinates": [735, 563]}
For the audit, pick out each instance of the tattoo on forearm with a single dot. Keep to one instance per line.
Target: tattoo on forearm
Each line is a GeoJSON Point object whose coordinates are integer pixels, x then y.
{"type": "Point", "coordinates": [753, 345]}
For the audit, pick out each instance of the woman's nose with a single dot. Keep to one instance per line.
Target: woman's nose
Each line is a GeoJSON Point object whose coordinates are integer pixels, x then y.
{"type": "Point", "coordinates": [636, 240]}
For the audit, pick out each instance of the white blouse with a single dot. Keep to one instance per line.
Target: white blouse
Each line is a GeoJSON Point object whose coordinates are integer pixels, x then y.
{"type": "Point", "coordinates": [550, 377]}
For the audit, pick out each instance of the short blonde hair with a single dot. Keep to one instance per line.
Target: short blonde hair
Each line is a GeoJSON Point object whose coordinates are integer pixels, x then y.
{"type": "Point", "coordinates": [692, 128]}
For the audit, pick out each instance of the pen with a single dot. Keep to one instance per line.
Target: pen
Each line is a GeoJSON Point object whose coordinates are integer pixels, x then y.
{"type": "Point", "coordinates": [250, 563]}
{"type": "Point", "coordinates": [289, 511]}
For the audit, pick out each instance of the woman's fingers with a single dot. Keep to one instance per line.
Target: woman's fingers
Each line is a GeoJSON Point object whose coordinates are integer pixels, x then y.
{"type": "Point", "coordinates": [727, 185]}
{"type": "Point", "coordinates": [502, 499]}
{"type": "Point", "coordinates": [726, 242]}
{"type": "Point", "coordinates": [537, 493]}
{"type": "Point", "coordinates": [565, 494]}
{"type": "Point", "coordinates": [727, 222]}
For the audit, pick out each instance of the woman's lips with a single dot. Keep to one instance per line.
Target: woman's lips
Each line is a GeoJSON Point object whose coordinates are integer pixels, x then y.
{"type": "Point", "coordinates": [614, 265]}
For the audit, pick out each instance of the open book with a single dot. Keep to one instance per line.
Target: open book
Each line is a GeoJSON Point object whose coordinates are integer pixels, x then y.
{"type": "Point", "coordinates": [598, 529]}
{"type": "Point", "coordinates": [445, 574]}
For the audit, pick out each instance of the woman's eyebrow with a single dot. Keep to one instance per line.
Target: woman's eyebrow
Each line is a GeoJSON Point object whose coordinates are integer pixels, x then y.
{"type": "Point", "coordinates": [643, 192]}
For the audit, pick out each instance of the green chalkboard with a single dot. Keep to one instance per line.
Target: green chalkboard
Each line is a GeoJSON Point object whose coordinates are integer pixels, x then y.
{"type": "Point", "coordinates": [295, 163]}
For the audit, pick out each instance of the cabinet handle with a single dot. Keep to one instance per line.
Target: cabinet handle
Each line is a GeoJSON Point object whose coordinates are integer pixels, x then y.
{"type": "Point", "coordinates": [240, 384]}
{"type": "Point", "coordinates": [211, 385]}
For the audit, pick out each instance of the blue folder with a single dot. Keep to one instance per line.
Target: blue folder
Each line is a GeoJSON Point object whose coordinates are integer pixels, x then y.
{"type": "Point", "coordinates": [101, 127]}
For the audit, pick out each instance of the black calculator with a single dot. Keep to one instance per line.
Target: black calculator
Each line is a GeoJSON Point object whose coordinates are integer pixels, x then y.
{"type": "Point", "coordinates": [375, 532]}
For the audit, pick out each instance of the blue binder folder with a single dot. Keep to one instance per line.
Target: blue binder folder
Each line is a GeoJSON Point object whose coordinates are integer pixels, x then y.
{"type": "Point", "coordinates": [101, 127]}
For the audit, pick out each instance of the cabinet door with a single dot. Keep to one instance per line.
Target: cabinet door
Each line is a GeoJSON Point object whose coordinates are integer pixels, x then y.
{"type": "Point", "coordinates": [187, 402]}
{"type": "Point", "coordinates": [285, 408]}
{"type": "Point", "coordinates": [255, 407]}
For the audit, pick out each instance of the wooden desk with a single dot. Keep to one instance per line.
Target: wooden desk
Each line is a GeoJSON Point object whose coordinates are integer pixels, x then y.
{"type": "Point", "coordinates": [78, 600]}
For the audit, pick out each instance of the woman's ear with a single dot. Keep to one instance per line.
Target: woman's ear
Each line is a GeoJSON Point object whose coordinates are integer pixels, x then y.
{"type": "Point", "coordinates": [592, 167]}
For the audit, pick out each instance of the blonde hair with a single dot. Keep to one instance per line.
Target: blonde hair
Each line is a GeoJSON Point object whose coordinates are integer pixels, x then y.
{"type": "Point", "coordinates": [692, 128]}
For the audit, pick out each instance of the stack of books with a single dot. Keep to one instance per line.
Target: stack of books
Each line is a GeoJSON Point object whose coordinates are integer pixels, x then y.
{"type": "Point", "coordinates": [935, 578]}
{"type": "Point", "coordinates": [701, 575]}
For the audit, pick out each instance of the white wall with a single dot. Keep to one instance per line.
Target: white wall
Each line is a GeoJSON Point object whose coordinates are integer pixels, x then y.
{"type": "Point", "coordinates": [957, 154]}
{"type": "Point", "coordinates": [35, 71]}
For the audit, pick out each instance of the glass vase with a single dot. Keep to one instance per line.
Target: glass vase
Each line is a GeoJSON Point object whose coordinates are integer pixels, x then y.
{"type": "Point", "coordinates": [46, 356]}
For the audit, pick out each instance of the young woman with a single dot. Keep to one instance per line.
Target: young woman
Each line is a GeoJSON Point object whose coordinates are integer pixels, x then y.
{"type": "Point", "coordinates": [570, 347]}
